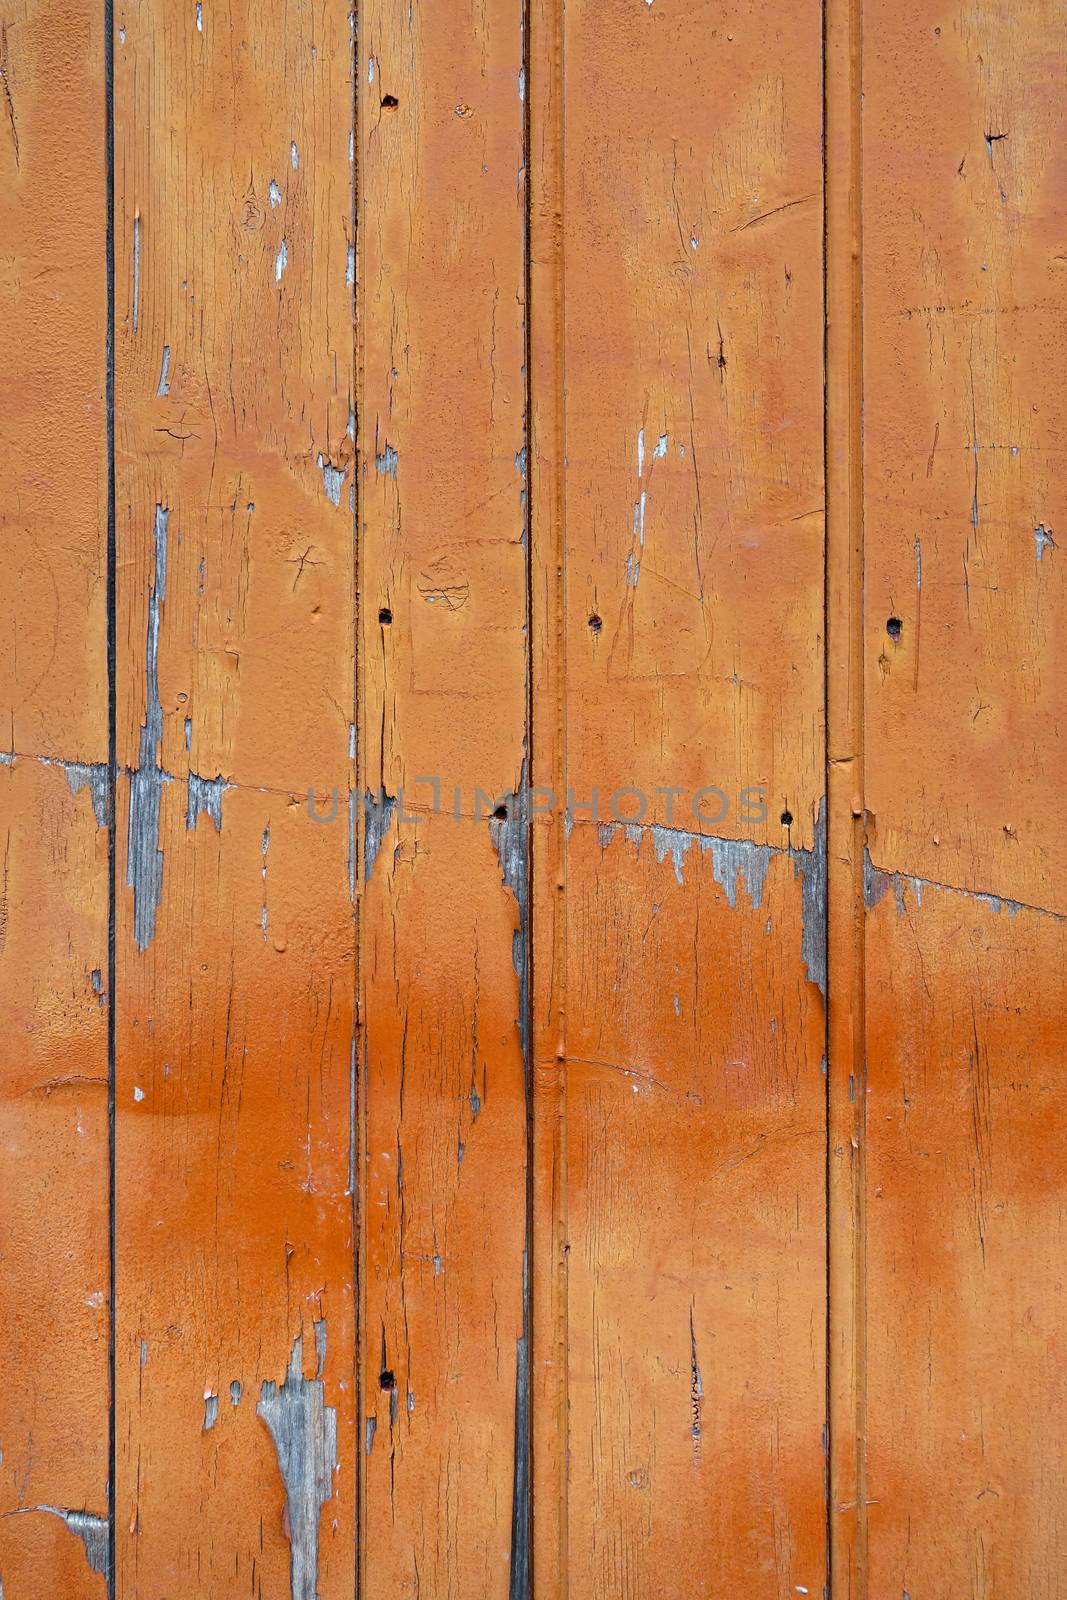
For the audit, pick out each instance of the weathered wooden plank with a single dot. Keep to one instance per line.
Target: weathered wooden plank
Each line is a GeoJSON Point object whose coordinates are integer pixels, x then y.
{"type": "Point", "coordinates": [693, 1124]}
{"type": "Point", "coordinates": [845, 823]}
{"type": "Point", "coordinates": [235, 936]}
{"type": "Point", "coordinates": [443, 683]}
{"type": "Point", "coordinates": [54, 1274]}
{"type": "Point", "coordinates": [965, 1222]}
{"type": "Point", "coordinates": [965, 356]}
{"type": "Point", "coordinates": [548, 866]}
{"type": "Point", "coordinates": [54, 1182]}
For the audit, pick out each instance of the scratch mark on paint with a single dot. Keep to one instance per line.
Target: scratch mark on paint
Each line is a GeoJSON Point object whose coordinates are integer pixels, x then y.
{"type": "Point", "coordinates": [8, 101]}
{"type": "Point", "coordinates": [877, 883]}
{"type": "Point", "coordinates": [304, 1430]}
{"type": "Point", "coordinates": [696, 1388]}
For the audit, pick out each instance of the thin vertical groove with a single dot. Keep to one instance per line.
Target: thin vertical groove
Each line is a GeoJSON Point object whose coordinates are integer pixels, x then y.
{"type": "Point", "coordinates": [560, 930]}
{"type": "Point", "coordinates": [846, 1059]}
{"type": "Point", "coordinates": [859, 1043]}
{"type": "Point", "coordinates": [529, 1277]}
{"type": "Point", "coordinates": [357, 1066]}
{"type": "Point", "coordinates": [112, 765]}
{"type": "Point", "coordinates": [828, 1175]}
{"type": "Point", "coordinates": [828, 1187]}
{"type": "Point", "coordinates": [355, 1096]}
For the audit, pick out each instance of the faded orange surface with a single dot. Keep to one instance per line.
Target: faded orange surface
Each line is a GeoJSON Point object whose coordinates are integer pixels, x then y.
{"type": "Point", "coordinates": [409, 1186]}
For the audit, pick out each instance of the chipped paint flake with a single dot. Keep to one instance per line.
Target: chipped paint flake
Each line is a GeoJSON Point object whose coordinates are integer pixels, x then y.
{"type": "Point", "coordinates": [378, 813]}
{"type": "Point", "coordinates": [510, 835]}
{"type": "Point", "coordinates": [163, 386]}
{"type": "Point", "coordinates": [737, 860]}
{"type": "Point", "coordinates": [304, 1430]}
{"type": "Point", "coordinates": [93, 1533]}
{"type": "Point", "coordinates": [332, 479]}
{"type": "Point", "coordinates": [144, 867]}
{"type": "Point", "coordinates": [386, 461]}
{"type": "Point", "coordinates": [1043, 540]}
{"type": "Point", "coordinates": [274, 194]}
{"type": "Point", "coordinates": [136, 269]}
{"type": "Point", "coordinates": [92, 776]}
{"type": "Point", "coordinates": [205, 795]}
{"type": "Point", "coordinates": [281, 261]}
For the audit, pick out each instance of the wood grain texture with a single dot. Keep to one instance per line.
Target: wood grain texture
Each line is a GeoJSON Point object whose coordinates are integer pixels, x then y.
{"type": "Point", "coordinates": [54, 1274]}
{"type": "Point", "coordinates": [235, 931]}
{"type": "Point", "coordinates": [445, 914]}
{"type": "Point", "coordinates": [694, 1117]}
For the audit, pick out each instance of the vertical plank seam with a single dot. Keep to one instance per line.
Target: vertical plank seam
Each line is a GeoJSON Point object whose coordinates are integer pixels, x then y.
{"type": "Point", "coordinates": [560, 973]}
{"type": "Point", "coordinates": [846, 1063]}
{"type": "Point", "coordinates": [112, 765]}
{"type": "Point", "coordinates": [356, 1098]}
{"type": "Point", "coordinates": [358, 1073]}
{"type": "Point", "coordinates": [528, 1033]}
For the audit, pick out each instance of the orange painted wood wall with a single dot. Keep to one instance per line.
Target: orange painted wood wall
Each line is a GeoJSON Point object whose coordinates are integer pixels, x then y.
{"type": "Point", "coordinates": [533, 909]}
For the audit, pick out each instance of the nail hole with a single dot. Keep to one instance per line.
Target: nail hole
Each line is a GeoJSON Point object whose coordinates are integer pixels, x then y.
{"type": "Point", "coordinates": [385, 616]}
{"type": "Point", "coordinates": [386, 1380]}
{"type": "Point", "coordinates": [595, 623]}
{"type": "Point", "coordinates": [894, 627]}
{"type": "Point", "coordinates": [389, 102]}
{"type": "Point", "coordinates": [787, 819]}
{"type": "Point", "coordinates": [501, 813]}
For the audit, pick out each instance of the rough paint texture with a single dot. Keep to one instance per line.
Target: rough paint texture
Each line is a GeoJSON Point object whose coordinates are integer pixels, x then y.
{"type": "Point", "coordinates": [530, 419]}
